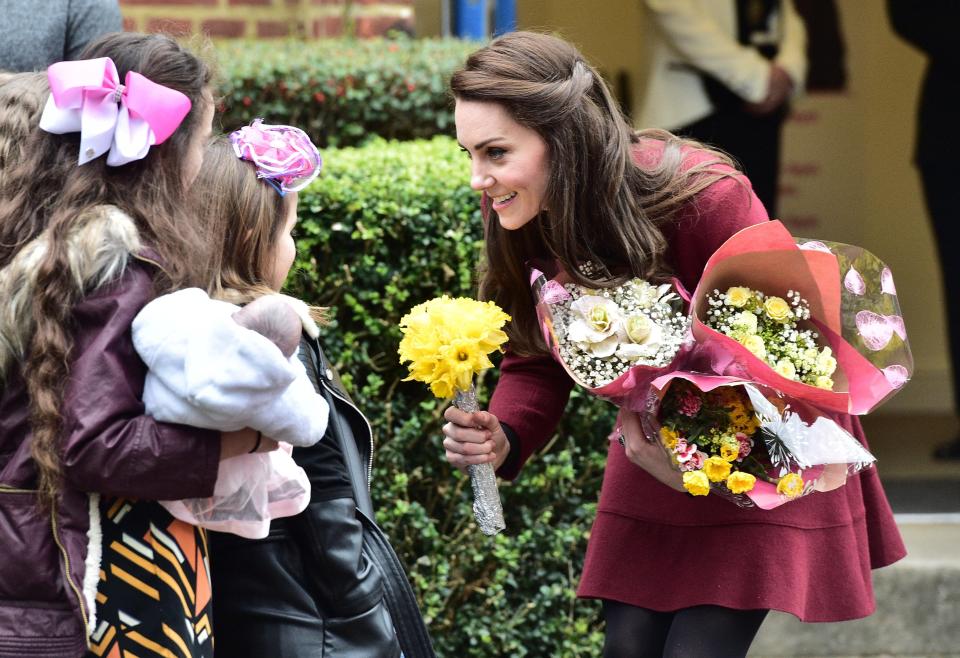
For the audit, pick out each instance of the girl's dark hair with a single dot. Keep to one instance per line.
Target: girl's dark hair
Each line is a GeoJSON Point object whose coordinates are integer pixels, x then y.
{"type": "Point", "coordinates": [47, 194]}
{"type": "Point", "coordinates": [599, 205]}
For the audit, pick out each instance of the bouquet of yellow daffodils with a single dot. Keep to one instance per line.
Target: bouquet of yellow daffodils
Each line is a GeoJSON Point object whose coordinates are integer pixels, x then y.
{"type": "Point", "coordinates": [446, 342]}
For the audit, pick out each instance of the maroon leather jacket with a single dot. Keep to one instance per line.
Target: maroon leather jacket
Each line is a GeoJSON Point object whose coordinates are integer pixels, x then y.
{"type": "Point", "coordinates": [48, 574]}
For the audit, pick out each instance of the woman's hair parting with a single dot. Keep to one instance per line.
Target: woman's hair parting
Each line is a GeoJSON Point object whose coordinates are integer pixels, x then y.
{"type": "Point", "coordinates": [599, 206]}
{"type": "Point", "coordinates": [50, 196]}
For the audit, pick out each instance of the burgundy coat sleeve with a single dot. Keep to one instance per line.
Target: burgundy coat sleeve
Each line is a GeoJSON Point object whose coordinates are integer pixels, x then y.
{"type": "Point", "coordinates": [110, 445]}
{"type": "Point", "coordinates": [530, 398]}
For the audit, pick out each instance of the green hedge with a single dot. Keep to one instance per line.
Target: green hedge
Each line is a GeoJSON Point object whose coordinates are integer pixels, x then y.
{"type": "Point", "coordinates": [342, 91]}
{"type": "Point", "coordinates": [387, 226]}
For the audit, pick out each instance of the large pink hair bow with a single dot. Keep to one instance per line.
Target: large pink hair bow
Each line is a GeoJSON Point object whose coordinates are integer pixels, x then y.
{"type": "Point", "coordinates": [127, 119]}
{"type": "Point", "coordinates": [284, 156]}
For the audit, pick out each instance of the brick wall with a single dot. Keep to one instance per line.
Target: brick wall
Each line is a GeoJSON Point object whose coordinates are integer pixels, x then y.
{"type": "Point", "coordinates": [268, 18]}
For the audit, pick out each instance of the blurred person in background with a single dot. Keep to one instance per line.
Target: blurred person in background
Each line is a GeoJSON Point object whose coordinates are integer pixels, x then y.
{"type": "Point", "coordinates": [34, 35]}
{"type": "Point", "coordinates": [931, 26]}
{"type": "Point", "coordinates": [723, 72]}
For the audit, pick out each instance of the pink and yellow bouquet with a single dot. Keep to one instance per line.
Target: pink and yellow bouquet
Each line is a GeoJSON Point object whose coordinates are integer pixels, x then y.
{"type": "Point", "coordinates": [747, 442]}
{"type": "Point", "coordinates": [828, 325]}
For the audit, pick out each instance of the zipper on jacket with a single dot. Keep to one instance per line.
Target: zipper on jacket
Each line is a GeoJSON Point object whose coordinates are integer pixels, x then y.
{"type": "Point", "coordinates": [323, 380]}
{"type": "Point", "coordinates": [333, 391]}
{"type": "Point", "coordinates": [66, 562]}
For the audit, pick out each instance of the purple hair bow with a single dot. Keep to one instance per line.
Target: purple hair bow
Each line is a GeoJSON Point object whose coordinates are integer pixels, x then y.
{"type": "Point", "coordinates": [125, 119]}
{"type": "Point", "coordinates": [284, 156]}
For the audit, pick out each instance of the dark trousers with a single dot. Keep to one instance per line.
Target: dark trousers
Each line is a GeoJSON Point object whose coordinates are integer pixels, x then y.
{"type": "Point", "coordinates": [753, 141]}
{"type": "Point", "coordinates": [938, 190]}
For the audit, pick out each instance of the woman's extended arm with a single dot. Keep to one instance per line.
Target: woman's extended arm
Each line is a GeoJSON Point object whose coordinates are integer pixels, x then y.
{"type": "Point", "coordinates": [526, 406]}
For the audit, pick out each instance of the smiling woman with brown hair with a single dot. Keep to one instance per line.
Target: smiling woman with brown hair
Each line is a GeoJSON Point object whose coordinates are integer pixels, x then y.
{"type": "Point", "coordinates": [565, 178]}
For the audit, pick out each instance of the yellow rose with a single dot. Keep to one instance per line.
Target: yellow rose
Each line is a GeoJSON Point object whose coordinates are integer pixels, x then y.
{"type": "Point", "coordinates": [696, 483]}
{"type": "Point", "coordinates": [738, 296]}
{"type": "Point", "coordinates": [755, 345]}
{"type": "Point", "coordinates": [716, 468]}
{"type": "Point", "coordinates": [824, 382]}
{"type": "Point", "coordinates": [777, 308]}
{"type": "Point", "coordinates": [740, 482]}
{"type": "Point", "coordinates": [785, 368]}
{"type": "Point", "coordinates": [790, 485]}
{"type": "Point", "coordinates": [730, 451]}
{"type": "Point", "coordinates": [668, 437]}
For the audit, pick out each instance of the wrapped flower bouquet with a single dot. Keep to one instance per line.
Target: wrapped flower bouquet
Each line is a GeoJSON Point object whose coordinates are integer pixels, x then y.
{"type": "Point", "coordinates": [747, 442]}
{"type": "Point", "coordinates": [780, 332]}
{"type": "Point", "coordinates": [829, 329]}
{"type": "Point", "coordinates": [615, 340]}
{"type": "Point", "coordinates": [447, 341]}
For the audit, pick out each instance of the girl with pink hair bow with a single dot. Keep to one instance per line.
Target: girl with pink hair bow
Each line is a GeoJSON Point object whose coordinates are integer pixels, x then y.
{"type": "Point", "coordinates": [94, 224]}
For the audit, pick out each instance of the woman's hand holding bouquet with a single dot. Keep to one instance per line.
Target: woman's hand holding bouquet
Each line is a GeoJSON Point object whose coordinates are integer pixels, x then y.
{"type": "Point", "coordinates": [445, 343]}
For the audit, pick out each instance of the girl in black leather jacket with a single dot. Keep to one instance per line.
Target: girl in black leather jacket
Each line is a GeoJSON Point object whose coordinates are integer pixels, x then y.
{"type": "Point", "coordinates": [325, 582]}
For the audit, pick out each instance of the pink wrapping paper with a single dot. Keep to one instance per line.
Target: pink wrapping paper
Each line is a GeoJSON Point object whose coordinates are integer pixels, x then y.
{"type": "Point", "coordinates": [846, 458]}
{"type": "Point", "coordinates": [852, 315]}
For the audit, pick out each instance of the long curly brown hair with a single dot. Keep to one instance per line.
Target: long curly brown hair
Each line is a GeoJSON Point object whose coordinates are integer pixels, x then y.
{"type": "Point", "coordinates": [599, 205]}
{"type": "Point", "coordinates": [22, 96]}
{"type": "Point", "coordinates": [48, 193]}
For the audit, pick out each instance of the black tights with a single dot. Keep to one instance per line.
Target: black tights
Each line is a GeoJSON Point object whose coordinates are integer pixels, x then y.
{"type": "Point", "coordinates": [704, 631]}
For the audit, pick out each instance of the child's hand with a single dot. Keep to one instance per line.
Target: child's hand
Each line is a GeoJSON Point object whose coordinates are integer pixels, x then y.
{"type": "Point", "coordinates": [245, 441]}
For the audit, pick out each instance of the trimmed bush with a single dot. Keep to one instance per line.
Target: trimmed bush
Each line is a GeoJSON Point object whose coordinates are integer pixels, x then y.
{"type": "Point", "coordinates": [342, 91]}
{"type": "Point", "coordinates": [387, 226]}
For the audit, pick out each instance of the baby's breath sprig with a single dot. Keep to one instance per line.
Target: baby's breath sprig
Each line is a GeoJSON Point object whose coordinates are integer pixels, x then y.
{"type": "Point", "coordinates": [603, 333]}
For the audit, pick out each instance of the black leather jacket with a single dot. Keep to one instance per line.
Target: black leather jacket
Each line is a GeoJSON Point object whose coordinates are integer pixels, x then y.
{"type": "Point", "coordinates": [325, 582]}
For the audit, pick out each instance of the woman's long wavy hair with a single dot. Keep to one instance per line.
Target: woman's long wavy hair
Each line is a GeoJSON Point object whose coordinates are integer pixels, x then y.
{"type": "Point", "coordinates": [599, 205]}
{"type": "Point", "coordinates": [47, 192]}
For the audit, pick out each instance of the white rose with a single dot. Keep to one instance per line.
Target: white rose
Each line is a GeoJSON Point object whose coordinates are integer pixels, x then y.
{"type": "Point", "coordinates": [785, 369]}
{"type": "Point", "coordinates": [826, 364]}
{"type": "Point", "coordinates": [756, 345]}
{"type": "Point", "coordinates": [595, 325]}
{"type": "Point", "coordinates": [634, 352]}
{"type": "Point", "coordinates": [647, 294]}
{"type": "Point", "coordinates": [642, 330]}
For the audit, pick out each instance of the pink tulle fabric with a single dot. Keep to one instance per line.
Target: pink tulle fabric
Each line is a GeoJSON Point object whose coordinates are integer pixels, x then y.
{"type": "Point", "coordinates": [284, 156]}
